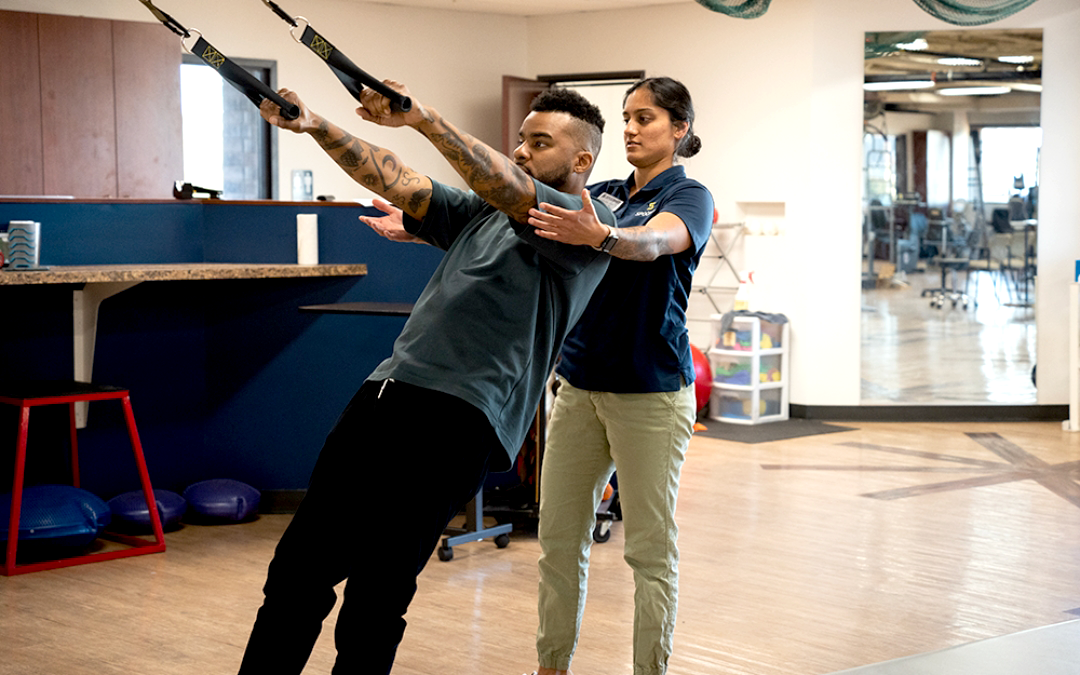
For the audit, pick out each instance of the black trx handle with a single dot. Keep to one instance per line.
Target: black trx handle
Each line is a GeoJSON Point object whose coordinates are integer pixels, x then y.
{"type": "Point", "coordinates": [350, 75]}
{"type": "Point", "coordinates": [250, 86]}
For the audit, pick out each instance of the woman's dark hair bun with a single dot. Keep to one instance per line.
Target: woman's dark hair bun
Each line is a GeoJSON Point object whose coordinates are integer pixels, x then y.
{"type": "Point", "coordinates": [690, 146]}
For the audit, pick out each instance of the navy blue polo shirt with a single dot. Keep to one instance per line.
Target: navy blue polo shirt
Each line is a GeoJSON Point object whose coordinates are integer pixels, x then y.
{"type": "Point", "coordinates": [632, 337]}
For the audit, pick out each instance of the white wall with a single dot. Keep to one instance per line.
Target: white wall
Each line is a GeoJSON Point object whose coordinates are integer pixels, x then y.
{"type": "Point", "coordinates": [779, 105]}
{"type": "Point", "coordinates": [431, 51]}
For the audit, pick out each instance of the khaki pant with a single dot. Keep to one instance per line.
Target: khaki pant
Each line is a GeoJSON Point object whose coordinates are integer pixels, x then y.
{"type": "Point", "coordinates": [643, 437]}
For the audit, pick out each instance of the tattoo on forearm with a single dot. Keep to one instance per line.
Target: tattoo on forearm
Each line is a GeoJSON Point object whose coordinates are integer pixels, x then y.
{"type": "Point", "coordinates": [641, 243]}
{"type": "Point", "coordinates": [384, 173]}
{"type": "Point", "coordinates": [418, 198]}
{"type": "Point", "coordinates": [493, 177]}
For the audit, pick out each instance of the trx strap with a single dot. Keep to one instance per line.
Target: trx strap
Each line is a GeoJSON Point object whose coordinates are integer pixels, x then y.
{"type": "Point", "coordinates": [237, 76]}
{"type": "Point", "coordinates": [350, 75]}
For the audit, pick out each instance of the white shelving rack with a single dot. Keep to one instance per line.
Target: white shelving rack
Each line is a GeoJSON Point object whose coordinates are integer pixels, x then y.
{"type": "Point", "coordinates": [750, 371]}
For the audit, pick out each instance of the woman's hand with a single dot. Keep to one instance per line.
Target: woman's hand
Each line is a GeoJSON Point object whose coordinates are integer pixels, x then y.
{"type": "Point", "coordinates": [391, 225]}
{"type": "Point", "coordinates": [580, 227]}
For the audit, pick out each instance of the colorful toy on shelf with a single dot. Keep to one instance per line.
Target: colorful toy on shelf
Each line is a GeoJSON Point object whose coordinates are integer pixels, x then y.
{"type": "Point", "coordinates": [737, 339]}
{"type": "Point", "coordinates": [733, 372]}
{"type": "Point", "coordinates": [770, 375]}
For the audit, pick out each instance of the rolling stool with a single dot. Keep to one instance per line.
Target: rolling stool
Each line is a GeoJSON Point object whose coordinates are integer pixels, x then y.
{"type": "Point", "coordinates": [947, 292]}
{"type": "Point", "coordinates": [26, 395]}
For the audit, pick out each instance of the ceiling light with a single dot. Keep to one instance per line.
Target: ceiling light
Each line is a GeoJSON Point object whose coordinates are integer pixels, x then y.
{"type": "Point", "coordinates": [1017, 59]}
{"type": "Point", "coordinates": [973, 91]}
{"type": "Point", "coordinates": [959, 61]}
{"type": "Point", "coordinates": [918, 44]}
{"type": "Point", "coordinates": [1026, 86]}
{"type": "Point", "coordinates": [897, 85]}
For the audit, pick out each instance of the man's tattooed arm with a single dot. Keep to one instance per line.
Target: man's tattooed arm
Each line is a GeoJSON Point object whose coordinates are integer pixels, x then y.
{"type": "Point", "coordinates": [377, 169]}
{"type": "Point", "coordinates": [491, 175]}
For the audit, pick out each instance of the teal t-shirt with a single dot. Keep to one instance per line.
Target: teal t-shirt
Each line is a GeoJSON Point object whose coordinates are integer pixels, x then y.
{"type": "Point", "coordinates": [491, 321]}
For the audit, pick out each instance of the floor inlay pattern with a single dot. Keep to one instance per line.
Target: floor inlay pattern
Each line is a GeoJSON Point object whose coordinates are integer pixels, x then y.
{"type": "Point", "coordinates": [1019, 465]}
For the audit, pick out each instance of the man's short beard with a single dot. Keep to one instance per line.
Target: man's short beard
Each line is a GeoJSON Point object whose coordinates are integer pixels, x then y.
{"type": "Point", "coordinates": [556, 178]}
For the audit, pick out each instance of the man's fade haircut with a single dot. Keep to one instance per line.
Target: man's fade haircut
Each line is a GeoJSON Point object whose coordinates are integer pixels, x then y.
{"type": "Point", "coordinates": [555, 99]}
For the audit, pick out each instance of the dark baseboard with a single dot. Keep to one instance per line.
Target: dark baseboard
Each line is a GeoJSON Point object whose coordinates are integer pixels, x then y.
{"type": "Point", "coordinates": [931, 413]}
{"type": "Point", "coordinates": [280, 501]}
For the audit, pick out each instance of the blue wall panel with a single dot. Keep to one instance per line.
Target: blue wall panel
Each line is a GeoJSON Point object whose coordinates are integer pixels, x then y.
{"type": "Point", "coordinates": [228, 378]}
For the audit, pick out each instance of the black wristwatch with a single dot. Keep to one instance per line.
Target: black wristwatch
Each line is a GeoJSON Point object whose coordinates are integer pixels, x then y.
{"type": "Point", "coordinates": [609, 241]}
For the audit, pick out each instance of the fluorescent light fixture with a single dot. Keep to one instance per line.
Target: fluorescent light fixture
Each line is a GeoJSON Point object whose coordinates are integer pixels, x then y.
{"type": "Point", "coordinates": [916, 45]}
{"type": "Point", "coordinates": [897, 85]}
{"type": "Point", "coordinates": [973, 91]}
{"type": "Point", "coordinates": [1019, 60]}
{"type": "Point", "coordinates": [959, 61]}
{"type": "Point", "coordinates": [1026, 86]}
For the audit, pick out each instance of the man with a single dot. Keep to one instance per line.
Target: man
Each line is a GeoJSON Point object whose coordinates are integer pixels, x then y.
{"type": "Point", "coordinates": [457, 395]}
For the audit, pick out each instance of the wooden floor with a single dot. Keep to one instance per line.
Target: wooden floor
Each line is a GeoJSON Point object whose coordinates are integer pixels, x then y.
{"type": "Point", "coordinates": [799, 557]}
{"type": "Point", "coordinates": [915, 354]}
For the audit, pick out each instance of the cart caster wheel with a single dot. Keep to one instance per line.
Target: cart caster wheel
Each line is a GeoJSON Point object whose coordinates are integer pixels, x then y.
{"type": "Point", "coordinates": [502, 540]}
{"type": "Point", "coordinates": [445, 554]}
{"type": "Point", "coordinates": [602, 531]}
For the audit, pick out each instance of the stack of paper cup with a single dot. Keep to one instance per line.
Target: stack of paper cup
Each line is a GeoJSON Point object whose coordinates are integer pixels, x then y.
{"type": "Point", "coordinates": [307, 239]}
{"type": "Point", "coordinates": [24, 244]}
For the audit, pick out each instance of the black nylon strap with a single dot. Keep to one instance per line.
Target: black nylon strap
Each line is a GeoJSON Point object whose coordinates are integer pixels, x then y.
{"type": "Point", "coordinates": [280, 12]}
{"type": "Point", "coordinates": [244, 81]}
{"type": "Point", "coordinates": [169, 22]}
{"type": "Point", "coordinates": [349, 73]}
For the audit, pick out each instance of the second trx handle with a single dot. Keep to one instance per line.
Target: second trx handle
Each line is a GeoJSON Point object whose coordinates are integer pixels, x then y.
{"type": "Point", "coordinates": [352, 76]}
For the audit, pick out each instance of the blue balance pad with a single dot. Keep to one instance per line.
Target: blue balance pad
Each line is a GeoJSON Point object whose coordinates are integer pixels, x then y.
{"type": "Point", "coordinates": [59, 514]}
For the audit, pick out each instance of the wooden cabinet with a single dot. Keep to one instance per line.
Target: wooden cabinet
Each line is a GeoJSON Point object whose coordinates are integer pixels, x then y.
{"type": "Point", "coordinates": [20, 105]}
{"type": "Point", "coordinates": [149, 129]}
{"type": "Point", "coordinates": [91, 107]}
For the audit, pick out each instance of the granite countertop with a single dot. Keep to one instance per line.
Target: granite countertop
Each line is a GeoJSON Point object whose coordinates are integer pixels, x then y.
{"type": "Point", "coordinates": [82, 274]}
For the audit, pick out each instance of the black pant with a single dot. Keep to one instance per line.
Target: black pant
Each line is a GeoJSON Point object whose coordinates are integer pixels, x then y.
{"type": "Point", "coordinates": [393, 472]}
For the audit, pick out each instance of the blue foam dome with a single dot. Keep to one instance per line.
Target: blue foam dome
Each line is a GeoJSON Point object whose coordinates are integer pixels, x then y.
{"type": "Point", "coordinates": [222, 499]}
{"type": "Point", "coordinates": [60, 514]}
{"type": "Point", "coordinates": [130, 508]}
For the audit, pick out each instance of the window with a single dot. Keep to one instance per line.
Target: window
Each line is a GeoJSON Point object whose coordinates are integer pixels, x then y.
{"type": "Point", "coordinates": [1007, 154]}
{"type": "Point", "coordinates": [227, 145]}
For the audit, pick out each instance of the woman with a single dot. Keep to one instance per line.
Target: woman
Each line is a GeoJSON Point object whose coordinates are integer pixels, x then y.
{"type": "Point", "coordinates": [626, 400]}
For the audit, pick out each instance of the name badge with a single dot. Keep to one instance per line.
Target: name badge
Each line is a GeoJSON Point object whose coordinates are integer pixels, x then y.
{"type": "Point", "coordinates": [610, 201]}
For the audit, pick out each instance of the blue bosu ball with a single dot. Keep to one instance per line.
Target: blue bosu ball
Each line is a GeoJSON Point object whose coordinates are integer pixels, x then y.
{"type": "Point", "coordinates": [59, 515]}
{"type": "Point", "coordinates": [130, 510]}
{"type": "Point", "coordinates": [223, 500]}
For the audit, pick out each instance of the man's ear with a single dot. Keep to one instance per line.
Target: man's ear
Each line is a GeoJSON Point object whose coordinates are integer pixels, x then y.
{"type": "Point", "coordinates": [583, 161]}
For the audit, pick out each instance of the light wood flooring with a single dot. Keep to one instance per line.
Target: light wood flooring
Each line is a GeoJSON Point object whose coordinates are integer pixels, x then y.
{"type": "Point", "coordinates": [799, 557]}
{"type": "Point", "coordinates": [915, 354]}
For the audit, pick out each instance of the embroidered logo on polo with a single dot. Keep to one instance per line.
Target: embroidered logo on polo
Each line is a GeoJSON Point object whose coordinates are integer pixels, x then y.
{"type": "Point", "coordinates": [648, 210]}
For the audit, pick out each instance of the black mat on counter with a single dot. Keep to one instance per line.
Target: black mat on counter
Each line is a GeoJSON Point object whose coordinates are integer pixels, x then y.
{"type": "Point", "coordinates": [769, 431]}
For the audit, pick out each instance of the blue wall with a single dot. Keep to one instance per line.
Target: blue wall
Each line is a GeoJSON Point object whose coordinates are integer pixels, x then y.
{"type": "Point", "coordinates": [228, 379]}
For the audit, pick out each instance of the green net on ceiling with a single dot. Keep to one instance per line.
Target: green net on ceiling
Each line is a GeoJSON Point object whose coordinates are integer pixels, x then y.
{"type": "Point", "coordinates": [972, 12]}
{"type": "Point", "coordinates": [743, 9]}
{"type": "Point", "coordinates": [881, 44]}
